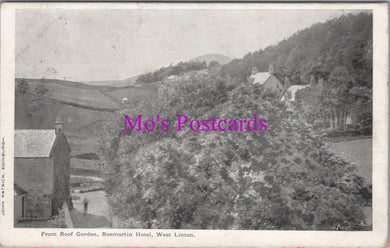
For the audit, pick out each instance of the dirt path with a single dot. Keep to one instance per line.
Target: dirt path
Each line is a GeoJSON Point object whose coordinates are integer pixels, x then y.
{"type": "Point", "coordinates": [98, 214]}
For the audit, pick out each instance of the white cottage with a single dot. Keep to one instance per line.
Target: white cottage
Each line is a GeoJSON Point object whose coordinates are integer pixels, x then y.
{"type": "Point", "coordinates": [268, 80]}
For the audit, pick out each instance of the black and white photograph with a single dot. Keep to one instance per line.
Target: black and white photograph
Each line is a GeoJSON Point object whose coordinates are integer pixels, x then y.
{"type": "Point", "coordinates": [160, 121]}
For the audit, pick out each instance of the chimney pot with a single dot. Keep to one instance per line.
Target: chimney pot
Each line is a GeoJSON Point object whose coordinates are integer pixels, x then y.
{"type": "Point", "coordinates": [58, 126]}
{"type": "Point", "coordinates": [271, 69]}
{"type": "Point", "coordinates": [254, 70]}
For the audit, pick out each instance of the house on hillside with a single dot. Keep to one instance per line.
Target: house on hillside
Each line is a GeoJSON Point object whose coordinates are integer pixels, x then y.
{"type": "Point", "coordinates": [271, 84]}
{"type": "Point", "coordinates": [203, 73]}
{"type": "Point", "coordinates": [288, 96]}
{"type": "Point", "coordinates": [125, 100]}
{"type": "Point", "coordinates": [41, 172]}
{"type": "Point", "coordinates": [172, 77]}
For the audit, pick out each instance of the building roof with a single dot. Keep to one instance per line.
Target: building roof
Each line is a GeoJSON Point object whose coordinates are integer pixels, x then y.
{"type": "Point", "coordinates": [18, 190]}
{"type": "Point", "coordinates": [34, 143]}
{"type": "Point", "coordinates": [260, 77]}
{"type": "Point", "coordinates": [292, 90]}
{"type": "Point", "coordinates": [172, 77]}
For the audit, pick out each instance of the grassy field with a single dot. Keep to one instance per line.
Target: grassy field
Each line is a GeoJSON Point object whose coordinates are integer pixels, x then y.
{"type": "Point", "coordinates": [77, 94]}
{"type": "Point", "coordinates": [358, 151]}
{"type": "Point", "coordinates": [134, 94]}
{"type": "Point", "coordinates": [83, 108]}
{"type": "Point", "coordinates": [100, 98]}
{"type": "Point", "coordinates": [41, 113]}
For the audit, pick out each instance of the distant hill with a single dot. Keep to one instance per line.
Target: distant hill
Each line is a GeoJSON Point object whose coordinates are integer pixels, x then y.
{"type": "Point", "coordinates": [222, 59]}
{"type": "Point", "coordinates": [194, 64]}
{"type": "Point", "coordinates": [114, 83]}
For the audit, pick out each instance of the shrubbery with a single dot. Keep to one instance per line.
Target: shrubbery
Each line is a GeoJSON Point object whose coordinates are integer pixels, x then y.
{"type": "Point", "coordinates": [283, 178]}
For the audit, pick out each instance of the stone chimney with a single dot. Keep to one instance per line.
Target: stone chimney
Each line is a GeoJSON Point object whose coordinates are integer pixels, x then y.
{"type": "Point", "coordinates": [58, 126]}
{"type": "Point", "coordinates": [271, 69]}
{"type": "Point", "coordinates": [254, 70]}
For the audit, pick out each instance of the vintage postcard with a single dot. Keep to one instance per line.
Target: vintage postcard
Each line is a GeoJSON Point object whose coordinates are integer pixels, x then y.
{"type": "Point", "coordinates": [194, 125]}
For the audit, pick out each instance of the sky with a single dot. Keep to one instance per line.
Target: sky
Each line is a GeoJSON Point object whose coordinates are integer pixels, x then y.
{"type": "Point", "coordinates": [98, 45]}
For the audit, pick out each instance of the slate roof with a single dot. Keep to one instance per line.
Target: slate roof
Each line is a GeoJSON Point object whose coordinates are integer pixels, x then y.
{"type": "Point", "coordinates": [172, 77]}
{"type": "Point", "coordinates": [34, 143]}
{"type": "Point", "coordinates": [260, 77]}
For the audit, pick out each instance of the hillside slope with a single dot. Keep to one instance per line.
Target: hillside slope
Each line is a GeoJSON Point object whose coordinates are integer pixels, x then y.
{"type": "Point", "coordinates": [335, 58]}
{"type": "Point", "coordinates": [131, 81]}
{"type": "Point", "coordinates": [73, 93]}
{"type": "Point", "coordinates": [32, 112]}
{"type": "Point", "coordinates": [92, 97]}
{"type": "Point", "coordinates": [316, 51]}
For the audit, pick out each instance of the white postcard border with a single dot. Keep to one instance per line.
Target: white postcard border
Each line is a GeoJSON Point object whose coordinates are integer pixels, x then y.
{"type": "Point", "coordinates": [26, 237]}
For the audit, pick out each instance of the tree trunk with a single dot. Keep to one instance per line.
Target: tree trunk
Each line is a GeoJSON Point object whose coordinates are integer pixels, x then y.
{"type": "Point", "coordinates": [336, 115]}
{"type": "Point", "coordinates": [333, 118]}
{"type": "Point", "coordinates": [339, 118]}
{"type": "Point", "coordinates": [345, 118]}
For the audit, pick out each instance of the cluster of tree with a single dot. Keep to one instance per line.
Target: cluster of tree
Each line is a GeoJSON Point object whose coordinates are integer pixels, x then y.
{"type": "Point", "coordinates": [340, 98]}
{"type": "Point", "coordinates": [283, 178]}
{"type": "Point", "coordinates": [178, 69]}
{"type": "Point", "coordinates": [22, 88]}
